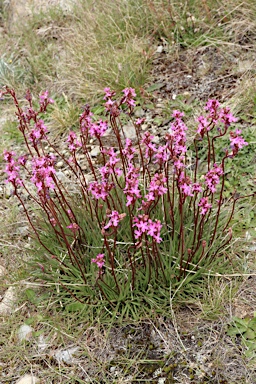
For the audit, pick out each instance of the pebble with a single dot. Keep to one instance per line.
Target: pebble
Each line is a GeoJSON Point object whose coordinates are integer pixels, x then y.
{"type": "Point", "coordinates": [65, 356]}
{"type": "Point", "coordinates": [59, 164]}
{"type": "Point", "coordinates": [7, 304]}
{"type": "Point", "coordinates": [129, 131]}
{"type": "Point", "coordinates": [61, 176]}
{"type": "Point", "coordinates": [139, 112]}
{"type": "Point", "coordinates": [3, 271]}
{"type": "Point", "coordinates": [95, 151]}
{"type": "Point", "coordinates": [28, 379]}
{"type": "Point", "coordinates": [8, 191]}
{"type": "Point", "coordinates": [159, 49]}
{"type": "Point", "coordinates": [25, 332]}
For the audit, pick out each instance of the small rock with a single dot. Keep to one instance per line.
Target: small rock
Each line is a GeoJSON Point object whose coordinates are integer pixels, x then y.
{"type": "Point", "coordinates": [65, 356]}
{"type": "Point", "coordinates": [139, 112]}
{"type": "Point", "coordinates": [3, 271]}
{"type": "Point", "coordinates": [159, 49]}
{"type": "Point", "coordinates": [7, 304]}
{"type": "Point", "coordinates": [25, 332]}
{"type": "Point", "coordinates": [8, 190]}
{"type": "Point", "coordinates": [60, 164]}
{"type": "Point", "coordinates": [61, 176]}
{"type": "Point", "coordinates": [95, 151]}
{"type": "Point", "coordinates": [41, 343]}
{"type": "Point", "coordinates": [129, 131]}
{"type": "Point", "coordinates": [156, 139]}
{"type": "Point", "coordinates": [245, 65]}
{"type": "Point", "coordinates": [28, 379]}
{"type": "Point", "coordinates": [23, 231]}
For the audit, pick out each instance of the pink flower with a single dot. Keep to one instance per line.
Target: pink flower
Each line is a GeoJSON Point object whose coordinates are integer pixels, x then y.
{"type": "Point", "coordinates": [12, 168]}
{"type": "Point", "coordinates": [205, 206]}
{"type": "Point", "coordinates": [203, 125]}
{"type": "Point", "coordinates": [161, 156]}
{"type": "Point", "coordinates": [154, 228]}
{"type": "Point", "coordinates": [131, 189]}
{"type": "Point", "coordinates": [43, 171]}
{"type": "Point", "coordinates": [100, 190]}
{"type": "Point", "coordinates": [196, 187]}
{"type": "Point", "coordinates": [73, 142]}
{"type": "Point", "coordinates": [108, 93]}
{"type": "Point", "coordinates": [236, 141]}
{"type": "Point", "coordinates": [147, 226]}
{"type": "Point", "coordinates": [74, 227]}
{"type": "Point", "coordinates": [140, 121]}
{"type": "Point", "coordinates": [129, 150]}
{"type": "Point", "coordinates": [129, 93]}
{"type": "Point", "coordinates": [156, 187]}
{"type": "Point", "coordinates": [147, 140]}
{"type": "Point", "coordinates": [226, 116]}
{"type": "Point", "coordinates": [98, 129]}
{"type": "Point", "coordinates": [185, 184]}
{"type": "Point", "coordinates": [114, 217]}
{"type": "Point", "coordinates": [44, 99]}
{"type": "Point", "coordinates": [99, 260]}
{"type": "Point", "coordinates": [212, 178]}
{"type": "Point", "coordinates": [86, 120]}
{"type": "Point", "coordinates": [177, 114]}
{"type": "Point", "coordinates": [38, 132]}
{"type": "Point", "coordinates": [212, 106]}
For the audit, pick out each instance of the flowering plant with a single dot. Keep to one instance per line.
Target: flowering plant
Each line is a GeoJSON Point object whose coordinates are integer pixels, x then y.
{"type": "Point", "coordinates": [146, 220]}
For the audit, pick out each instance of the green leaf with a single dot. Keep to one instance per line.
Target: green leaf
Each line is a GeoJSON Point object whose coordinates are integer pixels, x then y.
{"type": "Point", "coordinates": [74, 307]}
{"type": "Point", "coordinates": [31, 295]}
{"type": "Point", "coordinates": [250, 334]}
{"type": "Point", "coordinates": [155, 86]}
{"type": "Point", "coordinates": [29, 321]}
{"type": "Point", "coordinates": [242, 322]}
{"type": "Point", "coordinates": [38, 333]}
{"type": "Point", "coordinates": [252, 324]}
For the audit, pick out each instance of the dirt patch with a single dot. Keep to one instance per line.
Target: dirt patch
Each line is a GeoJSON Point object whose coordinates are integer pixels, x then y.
{"type": "Point", "coordinates": [201, 73]}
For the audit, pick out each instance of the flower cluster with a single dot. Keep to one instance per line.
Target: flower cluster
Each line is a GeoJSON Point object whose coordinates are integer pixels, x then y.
{"type": "Point", "coordinates": [99, 260]}
{"type": "Point", "coordinates": [144, 225]}
{"type": "Point", "coordinates": [212, 177]}
{"type": "Point", "coordinates": [42, 172]}
{"type": "Point", "coordinates": [205, 206]}
{"type": "Point", "coordinates": [163, 195]}
{"type": "Point", "coordinates": [73, 142]}
{"type": "Point", "coordinates": [236, 141]}
{"type": "Point", "coordinates": [38, 133]}
{"type": "Point", "coordinates": [12, 169]}
{"type": "Point", "coordinates": [114, 219]}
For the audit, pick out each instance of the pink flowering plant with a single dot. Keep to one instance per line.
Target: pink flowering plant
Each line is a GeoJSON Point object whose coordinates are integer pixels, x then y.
{"type": "Point", "coordinates": [142, 218]}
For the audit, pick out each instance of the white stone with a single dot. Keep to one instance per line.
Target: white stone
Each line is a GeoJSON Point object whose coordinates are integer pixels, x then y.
{"type": "Point", "coordinates": [41, 343]}
{"type": "Point", "coordinates": [28, 379]}
{"type": "Point", "coordinates": [129, 131]}
{"type": "Point", "coordinates": [25, 332]}
{"type": "Point", "coordinates": [65, 356]}
{"type": "Point", "coordinates": [7, 304]}
{"type": "Point", "coordinates": [2, 271]}
{"type": "Point", "coordinates": [59, 164]}
{"type": "Point", "coordinates": [95, 151]}
{"type": "Point", "coordinates": [159, 49]}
